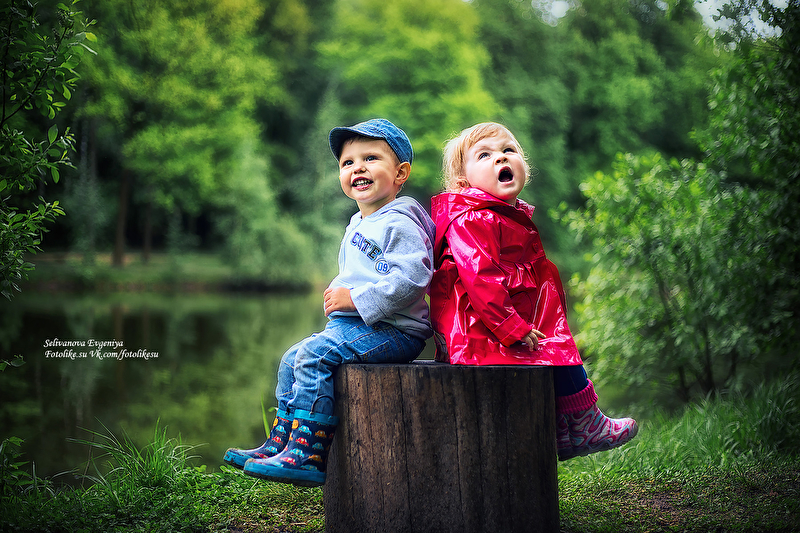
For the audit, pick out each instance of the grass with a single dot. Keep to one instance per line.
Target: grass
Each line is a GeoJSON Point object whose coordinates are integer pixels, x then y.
{"type": "Point", "coordinates": [730, 463]}
{"type": "Point", "coordinates": [753, 497]}
{"type": "Point", "coordinates": [156, 488]}
{"type": "Point", "coordinates": [726, 464]}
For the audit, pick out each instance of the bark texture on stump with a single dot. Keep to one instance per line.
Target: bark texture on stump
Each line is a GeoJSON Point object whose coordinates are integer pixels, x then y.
{"type": "Point", "coordinates": [431, 447]}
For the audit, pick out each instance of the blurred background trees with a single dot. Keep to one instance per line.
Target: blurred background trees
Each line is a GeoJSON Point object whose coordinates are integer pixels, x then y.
{"type": "Point", "coordinates": [694, 282]}
{"type": "Point", "coordinates": [202, 125]}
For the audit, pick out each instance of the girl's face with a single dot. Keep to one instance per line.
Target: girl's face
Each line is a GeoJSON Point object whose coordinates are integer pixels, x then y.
{"type": "Point", "coordinates": [494, 165]}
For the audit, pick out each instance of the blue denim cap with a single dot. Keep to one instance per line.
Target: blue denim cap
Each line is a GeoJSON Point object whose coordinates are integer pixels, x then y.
{"type": "Point", "coordinates": [377, 128]}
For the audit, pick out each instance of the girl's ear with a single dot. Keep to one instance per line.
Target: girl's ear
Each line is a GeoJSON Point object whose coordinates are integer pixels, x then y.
{"type": "Point", "coordinates": [462, 182]}
{"type": "Point", "coordinates": [403, 172]}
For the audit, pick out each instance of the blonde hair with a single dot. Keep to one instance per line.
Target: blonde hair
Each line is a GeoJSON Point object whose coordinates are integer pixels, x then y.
{"type": "Point", "coordinates": [454, 160]}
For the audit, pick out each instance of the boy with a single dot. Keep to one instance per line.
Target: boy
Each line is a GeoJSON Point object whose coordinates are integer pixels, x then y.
{"type": "Point", "coordinates": [376, 305]}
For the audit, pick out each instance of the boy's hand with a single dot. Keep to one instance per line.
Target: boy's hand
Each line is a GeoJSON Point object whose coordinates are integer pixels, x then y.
{"type": "Point", "coordinates": [532, 339]}
{"type": "Point", "coordinates": [337, 299]}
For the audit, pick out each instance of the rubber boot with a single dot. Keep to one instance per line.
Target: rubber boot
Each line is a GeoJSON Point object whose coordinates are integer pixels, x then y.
{"type": "Point", "coordinates": [590, 430]}
{"type": "Point", "coordinates": [305, 457]}
{"type": "Point", "coordinates": [276, 442]}
{"type": "Point", "coordinates": [563, 442]}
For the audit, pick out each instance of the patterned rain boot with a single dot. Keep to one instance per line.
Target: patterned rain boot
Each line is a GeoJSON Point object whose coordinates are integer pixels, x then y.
{"type": "Point", "coordinates": [590, 430]}
{"type": "Point", "coordinates": [563, 442]}
{"type": "Point", "coordinates": [303, 460]}
{"type": "Point", "coordinates": [276, 442]}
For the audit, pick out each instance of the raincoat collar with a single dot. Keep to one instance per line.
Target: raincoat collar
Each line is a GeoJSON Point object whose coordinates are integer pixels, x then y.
{"type": "Point", "coordinates": [448, 206]}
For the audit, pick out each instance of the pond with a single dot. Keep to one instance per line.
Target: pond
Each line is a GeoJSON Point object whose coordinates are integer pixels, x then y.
{"type": "Point", "coordinates": [199, 365]}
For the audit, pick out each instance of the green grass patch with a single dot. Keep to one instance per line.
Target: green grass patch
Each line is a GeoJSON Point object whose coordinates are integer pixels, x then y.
{"type": "Point", "coordinates": [730, 463]}
{"type": "Point", "coordinates": [761, 496]}
{"type": "Point", "coordinates": [156, 488]}
{"type": "Point", "coordinates": [727, 464]}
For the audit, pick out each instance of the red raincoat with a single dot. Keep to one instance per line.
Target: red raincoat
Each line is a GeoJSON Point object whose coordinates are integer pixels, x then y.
{"type": "Point", "coordinates": [493, 283]}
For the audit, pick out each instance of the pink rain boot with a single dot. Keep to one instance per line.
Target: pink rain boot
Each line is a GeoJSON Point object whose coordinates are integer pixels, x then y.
{"type": "Point", "coordinates": [590, 430]}
{"type": "Point", "coordinates": [563, 442]}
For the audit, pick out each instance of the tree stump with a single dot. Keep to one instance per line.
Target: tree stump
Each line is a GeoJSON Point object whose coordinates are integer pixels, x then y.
{"type": "Point", "coordinates": [432, 447]}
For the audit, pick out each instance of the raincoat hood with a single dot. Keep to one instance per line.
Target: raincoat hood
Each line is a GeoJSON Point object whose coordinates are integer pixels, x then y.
{"type": "Point", "coordinates": [448, 206]}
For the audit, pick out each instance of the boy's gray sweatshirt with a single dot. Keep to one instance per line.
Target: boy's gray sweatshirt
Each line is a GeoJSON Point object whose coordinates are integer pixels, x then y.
{"type": "Point", "coordinates": [386, 260]}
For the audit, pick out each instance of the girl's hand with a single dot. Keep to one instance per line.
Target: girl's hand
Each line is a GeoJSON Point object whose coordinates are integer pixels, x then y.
{"type": "Point", "coordinates": [532, 339]}
{"type": "Point", "coordinates": [337, 299]}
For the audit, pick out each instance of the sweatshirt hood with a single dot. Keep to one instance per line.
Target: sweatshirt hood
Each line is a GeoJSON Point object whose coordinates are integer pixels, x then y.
{"type": "Point", "coordinates": [411, 208]}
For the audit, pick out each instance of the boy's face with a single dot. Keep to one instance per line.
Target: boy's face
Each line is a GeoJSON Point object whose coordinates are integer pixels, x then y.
{"type": "Point", "coordinates": [370, 173]}
{"type": "Point", "coordinates": [494, 165]}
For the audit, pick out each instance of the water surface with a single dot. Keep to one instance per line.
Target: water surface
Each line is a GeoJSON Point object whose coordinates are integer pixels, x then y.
{"type": "Point", "coordinates": [200, 365]}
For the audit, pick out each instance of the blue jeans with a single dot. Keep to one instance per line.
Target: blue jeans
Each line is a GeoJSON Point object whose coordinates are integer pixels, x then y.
{"type": "Point", "coordinates": [305, 374]}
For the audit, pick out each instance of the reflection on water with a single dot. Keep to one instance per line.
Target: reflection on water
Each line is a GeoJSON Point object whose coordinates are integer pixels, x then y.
{"type": "Point", "coordinates": [213, 361]}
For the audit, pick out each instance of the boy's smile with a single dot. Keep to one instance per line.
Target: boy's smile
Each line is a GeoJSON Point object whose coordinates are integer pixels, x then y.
{"type": "Point", "coordinates": [361, 184]}
{"type": "Point", "coordinates": [495, 165]}
{"type": "Point", "coordinates": [370, 174]}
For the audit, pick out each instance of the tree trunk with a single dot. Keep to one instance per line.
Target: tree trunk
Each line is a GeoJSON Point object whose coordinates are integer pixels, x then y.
{"type": "Point", "coordinates": [147, 247]}
{"type": "Point", "coordinates": [122, 215]}
{"type": "Point", "coordinates": [429, 447]}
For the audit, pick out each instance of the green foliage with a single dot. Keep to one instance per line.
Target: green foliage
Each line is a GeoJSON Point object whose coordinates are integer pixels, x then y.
{"type": "Point", "coordinates": [639, 78]}
{"type": "Point", "coordinates": [262, 242]}
{"type": "Point", "coordinates": [38, 74]}
{"type": "Point", "coordinates": [668, 293]}
{"type": "Point", "coordinates": [21, 234]}
{"type": "Point", "coordinates": [686, 254]}
{"type": "Point", "coordinates": [177, 85]}
{"type": "Point", "coordinates": [610, 76]}
{"type": "Point", "coordinates": [13, 479]}
{"type": "Point", "coordinates": [753, 141]}
{"type": "Point", "coordinates": [188, 97]}
{"type": "Point", "coordinates": [17, 361]}
{"type": "Point", "coordinates": [415, 62]}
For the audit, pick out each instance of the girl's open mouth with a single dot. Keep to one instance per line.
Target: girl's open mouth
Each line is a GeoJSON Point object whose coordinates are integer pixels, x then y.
{"type": "Point", "coordinates": [505, 175]}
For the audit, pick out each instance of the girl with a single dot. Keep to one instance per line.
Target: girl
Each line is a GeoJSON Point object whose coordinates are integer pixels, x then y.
{"type": "Point", "coordinates": [495, 298]}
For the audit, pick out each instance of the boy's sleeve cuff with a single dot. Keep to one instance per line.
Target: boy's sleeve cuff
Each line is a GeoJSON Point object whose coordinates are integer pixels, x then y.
{"type": "Point", "coordinates": [365, 306]}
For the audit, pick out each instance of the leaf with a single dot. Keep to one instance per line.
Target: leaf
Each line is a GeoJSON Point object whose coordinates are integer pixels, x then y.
{"type": "Point", "coordinates": [52, 133]}
{"type": "Point", "coordinates": [55, 173]}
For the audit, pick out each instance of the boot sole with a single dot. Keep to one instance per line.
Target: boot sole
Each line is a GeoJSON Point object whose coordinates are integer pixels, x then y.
{"type": "Point", "coordinates": [238, 459]}
{"type": "Point", "coordinates": [302, 478]}
{"type": "Point", "coordinates": [231, 460]}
